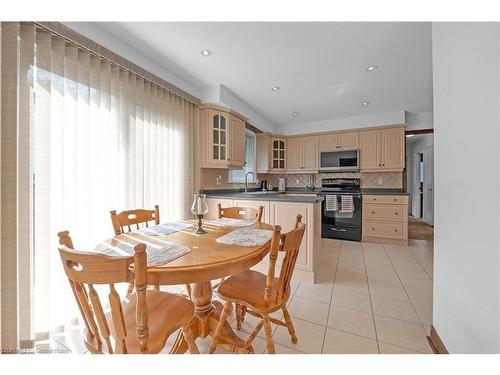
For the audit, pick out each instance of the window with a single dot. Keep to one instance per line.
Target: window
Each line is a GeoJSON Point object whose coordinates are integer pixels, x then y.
{"type": "Point", "coordinates": [238, 175]}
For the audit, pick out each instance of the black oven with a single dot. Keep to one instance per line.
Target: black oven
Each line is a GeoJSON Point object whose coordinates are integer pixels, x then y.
{"type": "Point", "coordinates": [341, 209]}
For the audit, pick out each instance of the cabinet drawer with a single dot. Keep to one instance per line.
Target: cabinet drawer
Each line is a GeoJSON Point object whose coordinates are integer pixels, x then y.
{"type": "Point", "coordinates": [390, 212]}
{"type": "Point", "coordinates": [387, 199]}
{"type": "Point", "coordinates": [386, 230]}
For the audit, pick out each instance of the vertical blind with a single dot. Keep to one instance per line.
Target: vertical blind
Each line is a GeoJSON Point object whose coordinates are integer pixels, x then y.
{"type": "Point", "coordinates": [100, 138]}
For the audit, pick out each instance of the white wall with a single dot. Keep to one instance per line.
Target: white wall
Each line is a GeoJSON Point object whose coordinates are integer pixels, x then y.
{"type": "Point", "coordinates": [424, 120]}
{"type": "Point", "coordinates": [375, 119]}
{"type": "Point", "coordinates": [98, 35]}
{"type": "Point", "coordinates": [466, 81]}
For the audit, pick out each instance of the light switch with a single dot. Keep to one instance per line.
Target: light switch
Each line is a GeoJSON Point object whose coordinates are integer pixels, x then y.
{"type": "Point", "coordinates": [218, 180]}
{"type": "Point", "coordinates": [380, 180]}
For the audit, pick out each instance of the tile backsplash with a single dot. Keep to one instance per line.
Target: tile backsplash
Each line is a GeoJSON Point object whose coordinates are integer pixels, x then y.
{"type": "Point", "coordinates": [208, 179]}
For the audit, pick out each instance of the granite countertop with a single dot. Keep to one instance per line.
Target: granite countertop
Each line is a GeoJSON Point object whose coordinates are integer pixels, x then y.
{"type": "Point", "coordinates": [384, 191]}
{"type": "Point", "coordinates": [257, 195]}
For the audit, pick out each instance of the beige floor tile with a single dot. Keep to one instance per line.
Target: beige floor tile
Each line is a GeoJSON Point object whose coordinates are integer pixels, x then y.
{"type": "Point", "coordinates": [321, 292]}
{"type": "Point", "coordinates": [352, 321]}
{"type": "Point", "coordinates": [310, 337]}
{"type": "Point", "coordinates": [350, 300]}
{"type": "Point", "coordinates": [394, 308]}
{"type": "Point", "coordinates": [424, 312]}
{"type": "Point", "coordinates": [306, 309]}
{"type": "Point", "coordinates": [337, 342]}
{"type": "Point", "coordinates": [323, 278]}
{"type": "Point", "coordinates": [391, 289]}
{"type": "Point", "coordinates": [280, 349]}
{"type": "Point", "coordinates": [386, 348]}
{"type": "Point", "coordinates": [400, 333]}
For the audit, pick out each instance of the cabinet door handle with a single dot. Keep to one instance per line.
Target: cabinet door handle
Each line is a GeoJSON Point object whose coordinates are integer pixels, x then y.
{"type": "Point", "coordinates": [395, 230]}
{"type": "Point", "coordinates": [395, 213]}
{"type": "Point", "coordinates": [373, 228]}
{"type": "Point", "coordinates": [373, 212]}
{"type": "Point", "coordinates": [395, 199]}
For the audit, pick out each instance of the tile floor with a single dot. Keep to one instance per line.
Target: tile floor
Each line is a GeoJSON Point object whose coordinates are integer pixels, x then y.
{"type": "Point", "coordinates": [370, 298]}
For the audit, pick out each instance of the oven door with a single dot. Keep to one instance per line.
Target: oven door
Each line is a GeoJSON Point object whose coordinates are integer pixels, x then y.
{"type": "Point", "coordinates": [339, 223]}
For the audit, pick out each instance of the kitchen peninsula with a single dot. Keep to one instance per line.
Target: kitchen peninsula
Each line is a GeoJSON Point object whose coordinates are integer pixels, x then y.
{"type": "Point", "coordinates": [280, 208]}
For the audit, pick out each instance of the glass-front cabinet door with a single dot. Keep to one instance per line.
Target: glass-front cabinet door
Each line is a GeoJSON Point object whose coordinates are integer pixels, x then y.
{"type": "Point", "coordinates": [278, 154]}
{"type": "Point", "coordinates": [219, 136]}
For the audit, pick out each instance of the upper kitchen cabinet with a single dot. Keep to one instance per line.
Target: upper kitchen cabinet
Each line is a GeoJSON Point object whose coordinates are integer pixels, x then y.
{"type": "Point", "coordinates": [382, 149]}
{"type": "Point", "coordinates": [338, 141]}
{"type": "Point", "coordinates": [222, 138]}
{"type": "Point", "coordinates": [237, 141]}
{"type": "Point", "coordinates": [302, 154]}
{"type": "Point", "coordinates": [278, 149]}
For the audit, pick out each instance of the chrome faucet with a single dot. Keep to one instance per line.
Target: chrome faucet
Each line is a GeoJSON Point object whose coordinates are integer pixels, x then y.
{"type": "Point", "coordinates": [246, 180]}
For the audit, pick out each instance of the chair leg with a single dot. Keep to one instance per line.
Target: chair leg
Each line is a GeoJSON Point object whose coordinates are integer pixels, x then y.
{"type": "Point", "coordinates": [269, 334]}
{"type": "Point", "coordinates": [218, 330]}
{"type": "Point", "coordinates": [188, 336]}
{"type": "Point", "coordinates": [289, 324]}
{"type": "Point", "coordinates": [243, 312]}
{"type": "Point", "coordinates": [188, 290]}
{"type": "Point", "coordinates": [237, 309]}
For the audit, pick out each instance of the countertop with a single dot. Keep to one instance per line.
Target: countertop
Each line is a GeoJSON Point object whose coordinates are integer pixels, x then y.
{"type": "Point", "coordinates": [307, 195]}
{"type": "Point", "coordinates": [384, 192]}
{"type": "Point", "coordinates": [256, 195]}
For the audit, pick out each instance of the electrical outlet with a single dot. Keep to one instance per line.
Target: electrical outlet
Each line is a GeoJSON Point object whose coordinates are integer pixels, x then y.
{"type": "Point", "coordinates": [218, 180]}
{"type": "Point", "coordinates": [380, 180]}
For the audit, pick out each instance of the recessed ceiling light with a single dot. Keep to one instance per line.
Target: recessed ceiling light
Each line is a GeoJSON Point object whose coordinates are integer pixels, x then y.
{"type": "Point", "coordinates": [206, 52]}
{"type": "Point", "coordinates": [275, 88]}
{"type": "Point", "coordinates": [295, 114]}
{"type": "Point", "coordinates": [371, 68]}
{"type": "Point", "coordinates": [365, 103]}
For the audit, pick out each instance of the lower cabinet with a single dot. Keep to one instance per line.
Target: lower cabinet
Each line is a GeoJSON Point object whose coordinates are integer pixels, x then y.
{"type": "Point", "coordinates": [284, 214]}
{"type": "Point", "coordinates": [385, 219]}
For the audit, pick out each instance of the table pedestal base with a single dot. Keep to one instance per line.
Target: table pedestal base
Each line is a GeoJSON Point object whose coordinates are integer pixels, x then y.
{"type": "Point", "coordinates": [207, 317]}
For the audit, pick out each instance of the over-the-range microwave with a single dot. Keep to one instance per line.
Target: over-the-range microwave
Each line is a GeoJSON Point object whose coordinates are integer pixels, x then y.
{"type": "Point", "coordinates": [339, 161]}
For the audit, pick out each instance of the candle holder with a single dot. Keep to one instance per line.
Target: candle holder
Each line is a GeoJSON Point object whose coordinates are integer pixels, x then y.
{"type": "Point", "coordinates": [200, 230]}
{"type": "Point", "coordinates": [199, 208]}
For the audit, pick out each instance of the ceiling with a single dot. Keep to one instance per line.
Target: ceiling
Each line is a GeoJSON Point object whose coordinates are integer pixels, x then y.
{"type": "Point", "coordinates": [320, 67]}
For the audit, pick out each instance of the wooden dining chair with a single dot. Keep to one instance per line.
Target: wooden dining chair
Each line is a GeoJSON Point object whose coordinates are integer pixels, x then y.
{"type": "Point", "coordinates": [127, 219]}
{"type": "Point", "coordinates": [259, 294]}
{"type": "Point", "coordinates": [139, 323]}
{"type": "Point", "coordinates": [244, 213]}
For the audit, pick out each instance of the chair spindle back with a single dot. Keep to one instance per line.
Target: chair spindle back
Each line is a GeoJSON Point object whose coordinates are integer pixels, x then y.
{"type": "Point", "coordinates": [86, 269]}
{"type": "Point", "coordinates": [126, 219]}
{"type": "Point", "coordinates": [290, 244]}
{"type": "Point", "coordinates": [244, 213]}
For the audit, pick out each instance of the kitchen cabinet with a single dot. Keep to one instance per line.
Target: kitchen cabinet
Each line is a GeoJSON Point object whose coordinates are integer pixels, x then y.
{"type": "Point", "coordinates": [385, 219]}
{"type": "Point", "coordinates": [302, 154]}
{"type": "Point", "coordinates": [263, 150]}
{"type": "Point", "coordinates": [237, 142]}
{"type": "Point", "coordinates": [221, 138]}
{"type": "Point", "coordinates": [278, 154]}
{"type": "Point", "coordinates": [338, 141]}
{"type": "Point", "coordinates": [382, 150]}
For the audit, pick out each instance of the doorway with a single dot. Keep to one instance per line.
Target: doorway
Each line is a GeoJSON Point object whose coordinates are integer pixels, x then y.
{"type": "Point", "coordinates": [420, 185]}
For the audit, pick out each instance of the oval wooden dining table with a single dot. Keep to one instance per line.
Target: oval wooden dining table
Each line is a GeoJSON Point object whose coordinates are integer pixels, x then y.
{"type": "Point", "coordinates": [208, 260]}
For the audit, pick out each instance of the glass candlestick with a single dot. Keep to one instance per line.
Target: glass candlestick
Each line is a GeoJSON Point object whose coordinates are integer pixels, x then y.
{"type": "Point", "coordinates": [199, 208]}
